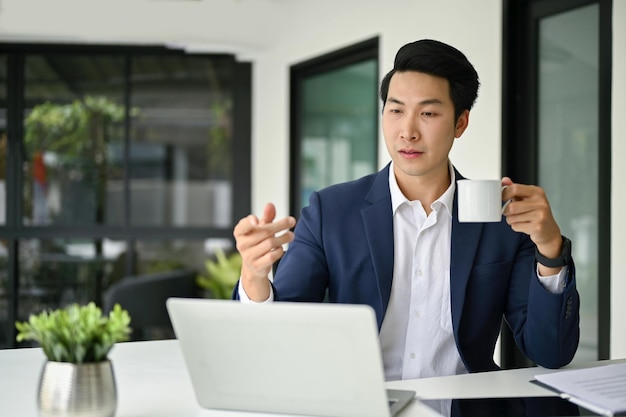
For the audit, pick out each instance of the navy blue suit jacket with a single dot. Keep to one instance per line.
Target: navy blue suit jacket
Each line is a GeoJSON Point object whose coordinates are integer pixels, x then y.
{"type": "Point", "coordinates": [344, 245]}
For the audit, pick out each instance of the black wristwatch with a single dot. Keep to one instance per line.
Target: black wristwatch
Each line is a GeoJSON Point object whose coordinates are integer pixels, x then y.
{"type": "Point", "coordinates": [562, 260]}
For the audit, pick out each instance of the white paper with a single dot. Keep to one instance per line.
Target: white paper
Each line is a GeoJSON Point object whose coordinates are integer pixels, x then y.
{"type": "Point", "coordinates": [602, 387]}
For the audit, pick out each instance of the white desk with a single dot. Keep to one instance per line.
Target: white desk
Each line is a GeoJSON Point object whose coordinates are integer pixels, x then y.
{"type": "Point", "coordinates": [152, 381]}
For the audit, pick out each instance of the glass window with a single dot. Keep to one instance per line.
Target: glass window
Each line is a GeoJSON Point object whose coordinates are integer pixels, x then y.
{"type": "Point", "coordinates": [73, 122]}
{"type": "Point", "coordinates": [335, 119]}
{"type": "Point", "coordinates": [568, 147]}
{"type": "Point", "coordinates": [181, 145]}
{"type": "Point", "coordinates": [339, 126]}
{"type": "Point", "coordinates": [121, 148]}
{"type": "Point", "coordinates": [56, 272]}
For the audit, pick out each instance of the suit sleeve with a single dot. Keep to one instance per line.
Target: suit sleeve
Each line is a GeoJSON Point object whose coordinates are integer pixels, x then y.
{"type": "Point", "coordinates": [302, 273]}
{"type": "Point", "coordinates": [547, 328]}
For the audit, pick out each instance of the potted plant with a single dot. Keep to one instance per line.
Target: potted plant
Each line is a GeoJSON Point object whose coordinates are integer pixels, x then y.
{"type": "Point", "coordinates": [222, 274]}
{"type": "Point", "coordinates": [77, 379]}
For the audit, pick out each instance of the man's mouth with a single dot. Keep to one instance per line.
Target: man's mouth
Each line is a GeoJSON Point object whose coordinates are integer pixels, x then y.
{"type": "Point", "coordinates": [410, 153]}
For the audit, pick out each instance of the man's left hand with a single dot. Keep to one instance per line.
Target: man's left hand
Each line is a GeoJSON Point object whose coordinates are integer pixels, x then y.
{"type": "Point", "coordinates": [529, 212]}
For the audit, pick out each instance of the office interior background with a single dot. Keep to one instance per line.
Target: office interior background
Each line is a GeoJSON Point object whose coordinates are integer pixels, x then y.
{"type": "Point", "coordinates": [199, 111]}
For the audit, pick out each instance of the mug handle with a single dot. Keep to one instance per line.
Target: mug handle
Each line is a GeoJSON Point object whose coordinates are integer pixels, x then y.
{"type": "Point", "coordinates": [506, 203]}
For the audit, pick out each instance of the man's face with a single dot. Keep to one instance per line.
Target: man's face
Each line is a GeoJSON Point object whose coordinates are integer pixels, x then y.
{"type": "Point", "coordinates": [419, 125]}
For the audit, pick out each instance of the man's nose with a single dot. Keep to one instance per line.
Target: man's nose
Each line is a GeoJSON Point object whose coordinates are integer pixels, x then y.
{"type": "Point", "coordinates": [409, 131]}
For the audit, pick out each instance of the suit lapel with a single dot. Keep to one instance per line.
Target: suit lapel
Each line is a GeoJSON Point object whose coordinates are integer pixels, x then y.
{"type": "Point", "coordinates": [464, 243]}
{"type": "Point", "coordinates": [378, 224]}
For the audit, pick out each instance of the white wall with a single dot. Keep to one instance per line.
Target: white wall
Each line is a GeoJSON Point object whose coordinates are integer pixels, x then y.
{"type": "Point", "coordinates": [275, 34]}
{"type": "Point", "coordinates": [476, 154]}
{"type": "Point", "coordinates": [618, 197]}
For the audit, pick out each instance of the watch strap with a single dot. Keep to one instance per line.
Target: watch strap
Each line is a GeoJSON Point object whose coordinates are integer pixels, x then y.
{"type": "Point", "coordinates": [561, 260]}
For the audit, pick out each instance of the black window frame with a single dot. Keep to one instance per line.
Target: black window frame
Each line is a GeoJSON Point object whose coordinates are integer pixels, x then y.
{"type": "Point", "coordinates": [520, 126]}
{"type": "Point", "coordinates": [12, 231]}
{"type": "Point", "coordinates": [353, 54]}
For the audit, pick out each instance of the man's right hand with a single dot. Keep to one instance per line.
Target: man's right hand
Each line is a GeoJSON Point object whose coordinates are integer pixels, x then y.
{"type": "Point", "coordinates": [260, 247]}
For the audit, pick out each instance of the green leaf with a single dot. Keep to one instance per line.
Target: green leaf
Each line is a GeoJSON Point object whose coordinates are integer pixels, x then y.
{"type": "Point", "coordinates": [76, 333]}
{"type": "Point", "coordinates": [222, 274]}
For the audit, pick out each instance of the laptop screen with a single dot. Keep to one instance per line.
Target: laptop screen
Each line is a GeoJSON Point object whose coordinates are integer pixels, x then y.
{"type": "Point", "coordinates": [295, 358]}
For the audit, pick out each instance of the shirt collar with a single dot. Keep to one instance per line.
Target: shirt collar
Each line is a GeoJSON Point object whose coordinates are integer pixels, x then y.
{"type": "Point", "coordinates": [398, 198]}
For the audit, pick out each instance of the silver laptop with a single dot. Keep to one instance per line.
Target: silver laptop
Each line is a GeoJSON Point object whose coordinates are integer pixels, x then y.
{"type": "Point", "coordinates": [295, 358]}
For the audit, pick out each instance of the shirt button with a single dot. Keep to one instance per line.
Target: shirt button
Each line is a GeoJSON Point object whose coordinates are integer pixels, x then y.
{"type": "Point", "coordinates": [417, 313]}
{"type": "Point", "coordinates": [419, 272]}
{"type": "Point", "coordinates": [412, 355]}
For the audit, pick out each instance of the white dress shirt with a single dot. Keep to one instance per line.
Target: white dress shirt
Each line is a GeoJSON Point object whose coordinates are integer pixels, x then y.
{"type": "Point", "coordinates": [416, 335]}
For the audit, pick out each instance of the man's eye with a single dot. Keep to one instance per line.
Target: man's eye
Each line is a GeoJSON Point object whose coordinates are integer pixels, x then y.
{"type": "Point", "coordinates": [428, 113]}
{"type": "Point", "coordinates": [394, 111]}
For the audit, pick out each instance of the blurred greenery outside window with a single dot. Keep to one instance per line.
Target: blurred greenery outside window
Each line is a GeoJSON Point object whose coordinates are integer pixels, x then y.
{"type": "Point", "coordinates": [178, 163]}
{"type": "Point", "coordinates": [127, 169]}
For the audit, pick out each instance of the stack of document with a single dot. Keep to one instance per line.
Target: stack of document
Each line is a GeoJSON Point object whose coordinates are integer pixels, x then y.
{"type": "Point", "coordinates": [601, 389]}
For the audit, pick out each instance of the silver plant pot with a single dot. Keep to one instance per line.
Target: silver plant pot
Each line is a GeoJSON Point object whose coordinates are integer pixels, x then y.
{"type": "Point", "coordinates": [77, 390]}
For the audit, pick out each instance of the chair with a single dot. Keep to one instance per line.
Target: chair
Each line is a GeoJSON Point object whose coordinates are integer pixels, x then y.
{"type": "Point", "coordinates": [144, 297]}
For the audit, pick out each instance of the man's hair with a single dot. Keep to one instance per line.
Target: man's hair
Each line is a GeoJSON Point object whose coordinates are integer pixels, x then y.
{"type": "Point", "coordinates": [438, 59]}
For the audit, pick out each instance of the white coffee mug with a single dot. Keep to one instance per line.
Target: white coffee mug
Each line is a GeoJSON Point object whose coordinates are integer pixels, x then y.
{"type": "Point", "coordinates": [480, 201]}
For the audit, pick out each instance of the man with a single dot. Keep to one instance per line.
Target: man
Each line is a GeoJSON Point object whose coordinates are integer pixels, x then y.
{"type": "Point", "coordinates": [392, 240]}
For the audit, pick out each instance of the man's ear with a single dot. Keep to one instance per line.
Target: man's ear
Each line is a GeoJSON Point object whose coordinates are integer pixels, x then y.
{"type": "Point", "coordinates": [461, 124]}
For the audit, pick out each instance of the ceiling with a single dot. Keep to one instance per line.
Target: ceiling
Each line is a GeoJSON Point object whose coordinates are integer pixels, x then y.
{"type": "Point", "coordinates": [235, 26]}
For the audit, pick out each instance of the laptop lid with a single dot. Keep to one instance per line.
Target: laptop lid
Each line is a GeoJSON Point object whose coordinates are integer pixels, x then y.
{"type": "Point", "coordinates": [295, 358]}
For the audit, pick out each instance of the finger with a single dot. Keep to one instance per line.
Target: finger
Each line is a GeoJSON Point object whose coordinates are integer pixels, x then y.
{"type": "Point", "coordinates": [274, 243]}
{"type": "Point", "coordinates": [245, 225]}
{"type": "Point", "coordinates": [526, 210]}
{"type": "Point", "coordinates": [539, 232]}
{"type": "Point", "coordinates": [251, 224]}
{"type": "Point", "coordinates": [256, 235]}
{"type": "Point", "coordinates": [519, 218]}
{"type": "Point", "coordinates": [271, 257]}
{"type": "Point", "coordinates": [278, 226]}
{"type": "Point", "coordinates": [533, 219]}
{"type": "Point", "coordinates": [264, 263]}
{"type": "Point", "coordinates": [506, 181]}
{"type": "Point", "coordinates": [255, 254]}
{"type": "Point", "coordinates": [521, 191]}
{"type": "Point", "coordinates": [269, 213]}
